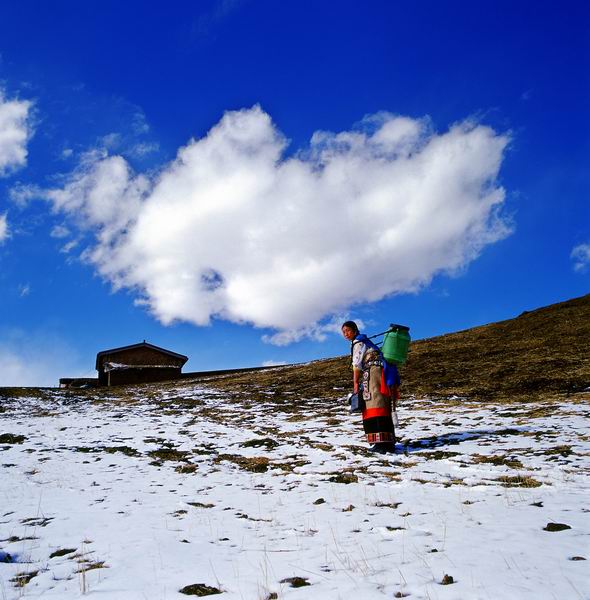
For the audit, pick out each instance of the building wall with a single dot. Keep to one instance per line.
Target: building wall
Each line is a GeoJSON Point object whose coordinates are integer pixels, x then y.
{"type": "Point", "coordinates": [125, 376]}
{"type": "Point", "coordinates": [139, 356]}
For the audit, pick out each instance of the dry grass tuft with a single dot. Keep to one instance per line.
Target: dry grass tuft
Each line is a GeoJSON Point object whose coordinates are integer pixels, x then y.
{"type": "Point", "coordinates": [507, 461]}
{"type": "Point", "coordinates": [169, 454]}
{"type": "Point", "coordinates": [199, 589]}
{"type": "Point", "coordinates": [523, 481]}
{"type": "Point", "coordinates": [10, 438]}
{"type": "Point", "coordinates": [62, 552]}
{"type": "Point", "coordinates": [21, 579]}
{"type": "Point", "coordinates": [256, 464]}
{"type": "Point", "coordinates": [344, 478]}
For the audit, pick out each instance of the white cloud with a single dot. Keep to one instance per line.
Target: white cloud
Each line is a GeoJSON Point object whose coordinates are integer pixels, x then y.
{"type": "Point", "coordinates": [111, 141]}
{"type": "Point", "coordinates": [143, 149]}
{"type": "Point", "coordinates": [207, 22]}
{"type": "Point", "coordinates": [100, 194]}
{"type": "Point", "coordinates": [15, 131]}
{"type": "Point", "coordinates": [4, 232]}
{"type": "Point", "coordinates": [581, 257]}
{"type": "Point", "coordinates": [24, 290]}
{"type": "Point", "coordinates": [60, 232]}
{"type": "Point", "coordinates": [22, 193]}
{"type": "Point", "coordinates": [139, 122]}
{"type": "Point", "coordinates": [20, 371]}
{"type": "Point", "coordinates": [233, 229]}
{"type": "Point", "coordinates": [67, 248]}
{"type": "Point", "coordinates": [315, 331]}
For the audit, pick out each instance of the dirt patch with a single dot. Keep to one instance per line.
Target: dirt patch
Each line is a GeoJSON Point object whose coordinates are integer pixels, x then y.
{"type": "Point", "coordinates": [564, 451]}
{"type": "Point", "coordinates": [438, 454]}
{"type": "Point", "coordinates": [10, 438]}
{"type": "Point", "coordinates": [126, 450]}
{"type": "Point", "coordinates": [168, 454]}
{"type": "Point", "coordinates": [556, 527]}
{"type": "Point", "coordinates": [62, 552]}
{"type": "Point", "coordinates": [21, 579]}
{"type": "Point", "coordinates": [296, 582]}
{"type": "Point", "coordinates": [267, 443]}
{"type": "Point", "coordinates": [199, 589]}
{"type": "Point", "coordinates": [85, 566]}
{"type": "Point", "coordinates": [497, 460]}
{"type": "Point", "coordinates": [343, 478]}
{"type": "Point", "coordinates": [519, 481]}
{"type": "Point", "coordinates": [255, 464]}
{"type": "Point", "coordinates": [37, 521]}
{"type": "Point", "coordinates": [186, 469]}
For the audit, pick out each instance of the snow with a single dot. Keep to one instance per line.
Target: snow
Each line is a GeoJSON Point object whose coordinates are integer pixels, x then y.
{"type": "Point", "coordinates": [82, 480]}
{"type": "Point", "coordinates": [113, 366]}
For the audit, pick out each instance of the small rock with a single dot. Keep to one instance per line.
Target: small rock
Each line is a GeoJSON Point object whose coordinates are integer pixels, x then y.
{"type": "Point", "coordinates": [320, 501]}
{"type": "Point", "coordinates": [556, 527]}
{"type": "Point", "coordinates": [577, 558]}
{"type": "Point", "coordinates": [447, 580]}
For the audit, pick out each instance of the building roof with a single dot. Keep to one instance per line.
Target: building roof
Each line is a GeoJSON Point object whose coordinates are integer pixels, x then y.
{"type": "Point", "coordinates": [143, 344]}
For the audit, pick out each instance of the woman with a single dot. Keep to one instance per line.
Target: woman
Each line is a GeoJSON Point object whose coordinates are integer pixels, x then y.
{"type": "Point", "coordinates": [367, 379]}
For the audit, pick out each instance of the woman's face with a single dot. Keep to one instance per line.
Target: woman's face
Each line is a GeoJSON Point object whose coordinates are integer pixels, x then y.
{"type": "Point", "coordinates": [348, 333]}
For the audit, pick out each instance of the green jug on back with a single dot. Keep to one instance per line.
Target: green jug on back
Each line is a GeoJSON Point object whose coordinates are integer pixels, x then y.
{"type": "Point", "coordinates": [396, 343]}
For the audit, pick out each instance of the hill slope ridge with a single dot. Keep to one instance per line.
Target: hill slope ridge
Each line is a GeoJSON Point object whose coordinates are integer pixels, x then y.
{"type": "Point", "coordinates": [542, 353]}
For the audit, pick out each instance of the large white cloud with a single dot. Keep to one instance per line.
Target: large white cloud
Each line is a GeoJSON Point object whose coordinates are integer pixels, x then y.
{"type": "Point", "coordinates": [15, 131]}
{"type": "Point", "coordinates": [234, 229]}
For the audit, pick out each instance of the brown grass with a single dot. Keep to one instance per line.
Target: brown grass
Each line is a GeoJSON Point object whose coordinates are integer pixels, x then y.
{"type": "Point", "coordinates": [523, 481]}
{"type": "Point", "coordinates": [539, 355]}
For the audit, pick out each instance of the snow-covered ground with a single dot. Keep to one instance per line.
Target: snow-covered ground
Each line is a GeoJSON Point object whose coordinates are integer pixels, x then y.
{"type": "Point", "coordinates": [136, 497]}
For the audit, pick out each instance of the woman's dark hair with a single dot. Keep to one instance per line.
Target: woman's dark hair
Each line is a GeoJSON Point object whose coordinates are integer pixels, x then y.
{"type": "Point", "coordinates": [351, 325]}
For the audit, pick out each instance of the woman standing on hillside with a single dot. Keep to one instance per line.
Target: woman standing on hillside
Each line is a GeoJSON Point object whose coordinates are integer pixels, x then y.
{"type": "Point", "coordinates": [368, 380]}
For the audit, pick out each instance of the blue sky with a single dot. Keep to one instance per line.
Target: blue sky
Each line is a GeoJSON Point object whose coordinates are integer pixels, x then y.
{"type": "Point", "coordinates": [229, 179]}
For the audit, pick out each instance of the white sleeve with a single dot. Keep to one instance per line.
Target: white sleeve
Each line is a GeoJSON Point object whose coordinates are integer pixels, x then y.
{"type": "Point", "coordinates": [358, 352]}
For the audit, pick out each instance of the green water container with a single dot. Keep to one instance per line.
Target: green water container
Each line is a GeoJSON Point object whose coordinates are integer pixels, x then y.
{"type": "Point", "coordinates": [396, 343]}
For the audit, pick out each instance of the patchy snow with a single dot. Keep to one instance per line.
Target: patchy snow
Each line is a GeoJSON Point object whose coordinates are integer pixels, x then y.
{"type": "Point", "coordinates": [139, 496]}
{"type": "Point", "coordinates": [113, 366]}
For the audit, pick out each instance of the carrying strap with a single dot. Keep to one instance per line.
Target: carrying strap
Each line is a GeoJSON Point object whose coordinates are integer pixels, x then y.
{"type": "Point", "coordinates": [390, 371]}
{"type": "Point", "coordinates": [361, 338]}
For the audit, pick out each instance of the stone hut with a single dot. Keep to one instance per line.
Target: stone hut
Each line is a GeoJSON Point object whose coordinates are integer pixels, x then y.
{"type": "Point", "coordinates": [138, 363]}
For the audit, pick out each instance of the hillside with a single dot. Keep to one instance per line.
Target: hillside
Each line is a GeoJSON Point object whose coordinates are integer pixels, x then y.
{"type": "Point", "coordinates": [541, 354]}
{"type": "Point", "coordinates": [260, 485]}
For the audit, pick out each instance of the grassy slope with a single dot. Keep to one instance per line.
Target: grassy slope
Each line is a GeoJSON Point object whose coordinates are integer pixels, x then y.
{"type": "Point", "coordinates": [540, 354]}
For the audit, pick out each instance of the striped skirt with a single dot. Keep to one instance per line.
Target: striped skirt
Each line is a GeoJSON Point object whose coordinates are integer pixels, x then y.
{"type": "Point", "coordinates": [377, 421]}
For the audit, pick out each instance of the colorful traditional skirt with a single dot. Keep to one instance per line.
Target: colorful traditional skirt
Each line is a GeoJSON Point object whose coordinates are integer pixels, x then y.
{"type": "Point", "coordinates": [377, 421]}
